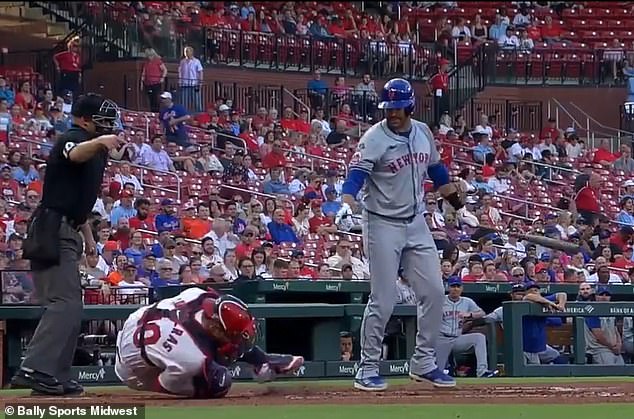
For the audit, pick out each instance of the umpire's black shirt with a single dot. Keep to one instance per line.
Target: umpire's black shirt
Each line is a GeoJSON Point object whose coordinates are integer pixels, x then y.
{"type": "Point", "coordinates": [72, 188]}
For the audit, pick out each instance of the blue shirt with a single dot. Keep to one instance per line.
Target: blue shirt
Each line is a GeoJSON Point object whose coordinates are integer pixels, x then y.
{"type": "Point", "coordinates": [157, 250]}
{"type": "Point", "coordinates": [157, 282]}
{"type": "Point", "coordinates": [496, 31]}
{"type": "Point", "coordinates": [276, 187]}
{"type": "Point", "coordinates": [282, 233]}
{"type": "Point", "coordinates": [165, 222]}
{"type": "Point", "coordinates": [534, 331]}
{"type": "Point", "coordinates": [8, 94]}
{"type": "Point", "coordinates": [120, 212]}
{"type": "Point", "coordinates": [480, 151]}
{"type": "Point", "coordinates": [25, 177]}
{"type": "Point", "coordinates": [239, 225]}
{"type": "Point", "coordinates": [329, 207]}
{"type": "Point", "coordinates": [318, 86]}
{"type": "Point", "coordinates": [626, 218]}
{"type": "Point", "coordinates": [134, 254]}
{"type": "Point", "coordinates": [175, 111]}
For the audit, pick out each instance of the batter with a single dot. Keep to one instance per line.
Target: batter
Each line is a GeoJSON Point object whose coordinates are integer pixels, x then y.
{"type": "Point", "coordinates": [392, 161]}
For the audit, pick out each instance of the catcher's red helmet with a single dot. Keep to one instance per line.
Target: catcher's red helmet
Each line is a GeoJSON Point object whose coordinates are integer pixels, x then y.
{"type": "Point", "coordinates": [233, 314]}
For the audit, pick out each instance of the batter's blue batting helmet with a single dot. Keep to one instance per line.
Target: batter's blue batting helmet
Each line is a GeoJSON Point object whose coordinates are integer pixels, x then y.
{"type": "Point", "coordinates": [397, 94]}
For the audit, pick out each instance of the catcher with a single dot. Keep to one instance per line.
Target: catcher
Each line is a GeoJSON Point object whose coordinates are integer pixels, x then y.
{"type": "Point", "coordinates": [183, 346]}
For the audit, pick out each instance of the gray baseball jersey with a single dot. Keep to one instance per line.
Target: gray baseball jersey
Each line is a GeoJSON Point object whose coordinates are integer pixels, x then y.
{"type": "Point", "coordinates": [451, 324]}
{"type": "Point", "coordinates": [395, 235]}
{"type": "Point", "coordinates": [609, 330]}
{"type": "Point", "coordinates": [397, 168]}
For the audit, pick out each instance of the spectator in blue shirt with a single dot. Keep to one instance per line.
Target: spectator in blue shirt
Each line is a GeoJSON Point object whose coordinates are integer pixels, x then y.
{"type": "Point", "coordinates": [173, 118]}
{"type": "Point", "coordinates": [166, 221]}
{"type": "Point", "coordinates": [317, 90]}
{"type": "Point", "coordinates": [483, 148]}
{"type": "Point", "coordinates": [147, 271]}
{"type": "Point", "coordinates": [498, 28]}
{"type": "Point", "coordinates": [331, 207]}
{"type": "Point", "coordinates": [165, 275]}
{"type": "Point", "coordinates": [125, 209]}
{"type": "Point", "coordinates": [6, 92]}
{"type": "Point", "coordinates": [275, 185]}
{"type": "Point", "coordinates": [280, 231]}
{"type": "Point", "coordinates": [25, 173]}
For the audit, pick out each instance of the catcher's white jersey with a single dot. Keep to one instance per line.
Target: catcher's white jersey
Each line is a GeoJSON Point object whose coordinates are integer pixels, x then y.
{"type": "Point", "coordinates": [168, 346]}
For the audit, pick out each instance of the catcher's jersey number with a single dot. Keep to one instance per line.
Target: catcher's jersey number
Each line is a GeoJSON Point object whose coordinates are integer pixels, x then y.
{"type": "Point", "coordinates": [155, 335]}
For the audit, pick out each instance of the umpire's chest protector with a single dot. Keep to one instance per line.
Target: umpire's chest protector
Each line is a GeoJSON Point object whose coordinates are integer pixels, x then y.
{"type": "Point", "coordinates": [395, 185]}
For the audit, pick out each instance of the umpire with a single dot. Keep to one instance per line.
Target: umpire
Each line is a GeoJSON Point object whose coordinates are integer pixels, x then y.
{"type": "Point", "coordinates": [54, 245]}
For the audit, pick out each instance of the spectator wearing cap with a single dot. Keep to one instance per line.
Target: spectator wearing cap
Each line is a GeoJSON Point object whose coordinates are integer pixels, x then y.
{"type": "Point", "coordinates": [304, 271]}
{"type": "Point", "coordinates": [627, 189]}
{"type": "Point", "coordinates": [438, 85]}
{"type": "Point", "coordinates": [8, 185]}
{"type": "Point", "coordinates": [147, 271]}
{"type": "Point", "coordinates": [173, 118]}
{"type": "Point", "coordinates": [603, 341]}
{"type": "Point", "coordinates": [166, 220]}
{"type": "Point", "coordinates": [280, 231]}
{"type": "Point", "coordinates": [319, 223]}
{"type": "Point", "coordinates": [248, 243]}
{"type": "Point", "coordinates": [275, 185]}
{"type": "Point", "coordinates": [125, 209]}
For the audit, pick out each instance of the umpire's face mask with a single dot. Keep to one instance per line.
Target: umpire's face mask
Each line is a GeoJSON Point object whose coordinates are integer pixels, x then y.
{"type": "Point", "coordinates": [107, 120]}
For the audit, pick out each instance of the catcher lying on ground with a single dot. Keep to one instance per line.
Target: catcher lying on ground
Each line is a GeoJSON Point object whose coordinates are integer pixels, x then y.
{"type": "Point", "coordinates": [183, 345]}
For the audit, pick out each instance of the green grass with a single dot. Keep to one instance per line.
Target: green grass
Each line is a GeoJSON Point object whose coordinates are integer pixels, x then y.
{"type": "Point", "coordinates": [399, 411]}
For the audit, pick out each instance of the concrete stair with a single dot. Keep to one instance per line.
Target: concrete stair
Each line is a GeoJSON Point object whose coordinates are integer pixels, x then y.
{"type": "Point", "coordinates": [19, 18]}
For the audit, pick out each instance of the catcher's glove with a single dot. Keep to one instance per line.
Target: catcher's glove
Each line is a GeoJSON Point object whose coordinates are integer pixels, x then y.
{"type": "Point", "coordinates": [453, 193]}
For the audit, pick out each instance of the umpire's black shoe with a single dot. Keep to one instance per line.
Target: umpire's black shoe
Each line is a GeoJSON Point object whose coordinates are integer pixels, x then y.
{"type": "Point", "coordinates": [38, 382]}
{"type": "Point", "coordinates": [71, 389]}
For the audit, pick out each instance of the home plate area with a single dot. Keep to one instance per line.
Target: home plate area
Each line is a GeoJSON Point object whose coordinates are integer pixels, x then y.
{"type": "Point", "coordinates": [412, 393]}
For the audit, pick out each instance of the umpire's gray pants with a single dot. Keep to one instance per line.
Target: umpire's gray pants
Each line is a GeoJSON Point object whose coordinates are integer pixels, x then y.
{"type": "Point", "coordinates": [446, 345]}
{"type": "Point", "coordinates": [58, 288]}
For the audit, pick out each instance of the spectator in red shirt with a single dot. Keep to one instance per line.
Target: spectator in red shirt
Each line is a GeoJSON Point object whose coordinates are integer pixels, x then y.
{"type": "Point", "coordinates": [249, 136]}
{"type": "Point", "coordinates": [586, 197]}
{"type": "Point", "coordinates": [250, 24]}
{"type": "Point", "coordinates": [248, 242]}
{"type": "Point", "coordinates": [153, 76]}
{"type": "Point", "coordinates": [438, 84]}
{"type": "Point", "coordinates": [17, 116]}
{"type": "Point", "coordinates": [346, 115]}
{"type": "Point", "coordinates": [549, 131]}
{"type": "Point", "coordinates": [276, 157]}
{"type": "Point", "coordinates": [304, 271]}
{"type": "Point", "coordinates": [337, 29]}
{"type": "Point", "coordinates": [551, 31]}
{"type": "Point", "coordinates": [207, 120]}
{"type": "Point", "coordinates": [303, 123]}
{"type": "Point", "coordinates": [24, 98]}
{"type": "Point", "coordinates": [8, 185]}
{"type": "Point", "coordinates": [143, 219]}
{"type": "Point", "coordinates": [288, 122]}
{"type": "Point", "coordinates": [622, 238]}
{"type": "Point", "coordinates": [476, 272]}
{"type": "Point", "coordinates": [603, 155]}
{"type": "Point", "coordinates": [261, 118]}
{"type": "Point", "coordinates": [319, 223]}
{"type": "Point", "coordinates": [68, 64]}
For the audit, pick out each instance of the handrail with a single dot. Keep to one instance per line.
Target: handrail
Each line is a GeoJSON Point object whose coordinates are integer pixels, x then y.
{"type": "Point", "coordinates": [313, 157]}
{"type": "Point", "coordinates": [587, 115]}
{"type": "Point", "coordinates": [143, 168]}
{"type": "Point", "coordinates": [305, 106]}
{"type": "Point", "coordinates": [258, 193]}
{"type": "Point", "coordinates": [587, 128]}
{"type": "Point", "coordinates": [523, 201]}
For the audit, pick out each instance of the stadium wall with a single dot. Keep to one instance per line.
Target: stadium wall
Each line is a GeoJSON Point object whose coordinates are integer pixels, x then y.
{"type": "Point", "coordinates": [602, 103]}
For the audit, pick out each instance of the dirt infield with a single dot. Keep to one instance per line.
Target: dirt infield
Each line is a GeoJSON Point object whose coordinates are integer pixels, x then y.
{"type": "Point", "coordinates": [488, 393]}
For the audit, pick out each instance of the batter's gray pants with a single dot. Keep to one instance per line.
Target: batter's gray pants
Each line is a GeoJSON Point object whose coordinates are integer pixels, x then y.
{"type": "Point", "coordinates": [446, 345]}
{"type": "Point", "coordinates": [58, 288]}
{"type": "Point", "coordinates": [546, 356]}
{"type": "Point", "coordinates": [390, 244]}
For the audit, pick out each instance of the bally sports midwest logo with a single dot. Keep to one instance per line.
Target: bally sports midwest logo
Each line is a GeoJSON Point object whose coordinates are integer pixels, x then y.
{"type": "Point", "coordinates": [95, 376]}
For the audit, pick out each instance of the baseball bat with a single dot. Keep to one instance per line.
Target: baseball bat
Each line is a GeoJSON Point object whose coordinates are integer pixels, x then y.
{"type": "Point", "coordinates": [552, 243]}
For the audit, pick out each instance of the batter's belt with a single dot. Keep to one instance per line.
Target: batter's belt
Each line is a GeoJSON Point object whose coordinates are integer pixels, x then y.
{"type": "Point", "coordinates": [404, 220]}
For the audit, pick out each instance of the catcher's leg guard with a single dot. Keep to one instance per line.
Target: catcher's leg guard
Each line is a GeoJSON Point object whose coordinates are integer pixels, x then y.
{"type": "Point", "coordinates": [285, 364]}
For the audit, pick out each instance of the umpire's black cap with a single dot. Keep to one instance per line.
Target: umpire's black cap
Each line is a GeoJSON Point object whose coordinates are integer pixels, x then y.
{"type": "Point", "coordinates": [518, 288]}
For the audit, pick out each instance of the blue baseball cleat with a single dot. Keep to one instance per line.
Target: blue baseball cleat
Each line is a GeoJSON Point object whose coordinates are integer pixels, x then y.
{"type": "Point", "coordinates": [376, 383]}
{"type": "Point", "coordinates": [436, 377]}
